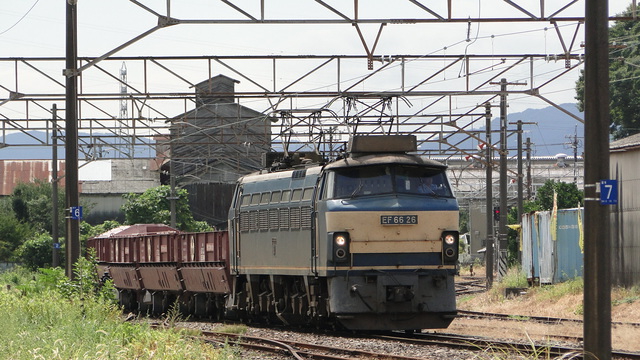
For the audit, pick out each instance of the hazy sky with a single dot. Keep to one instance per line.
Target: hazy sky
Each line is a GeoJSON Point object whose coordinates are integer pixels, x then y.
{"type": "Point", "coordinates": [33, 28]}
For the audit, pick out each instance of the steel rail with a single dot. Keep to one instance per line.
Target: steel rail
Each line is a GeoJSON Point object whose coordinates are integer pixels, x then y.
{"type": "Point", "coordinates": [542, 319]}
{"type": "Point", "coordinates": [497, 346]}
{"type": "Point", "coordinates": [297, 348]}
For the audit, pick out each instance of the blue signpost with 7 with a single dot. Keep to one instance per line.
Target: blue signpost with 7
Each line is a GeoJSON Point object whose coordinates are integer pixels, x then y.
{"type": "Point", "coordinates": [608, 192]}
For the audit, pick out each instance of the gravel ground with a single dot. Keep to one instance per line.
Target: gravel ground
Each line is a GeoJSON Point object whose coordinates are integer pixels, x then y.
{"type": "Point", "coordinates": [355, 343]}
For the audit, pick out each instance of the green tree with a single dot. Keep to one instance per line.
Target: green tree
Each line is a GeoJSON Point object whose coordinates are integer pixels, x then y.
{"type": "Point", "coordinates": [36, 252]}
{"type": "Point", "coordinates": [87, 231]}
{"type": "Point", "coordinates": [464, 221]}
{"type": "Point", "coordinates": [153, 207]}
{"type": "Point", "coordinates": [32, 203]}
{"type": "Point", "coordinates": [624, 78]}
{"type": "Point", "coordinates": [12, 234]}
{"type": "Point", "coordinates": [568, 195]}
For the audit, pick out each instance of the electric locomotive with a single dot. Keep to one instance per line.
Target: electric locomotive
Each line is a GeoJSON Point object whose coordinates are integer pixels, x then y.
{"type": "Point", "coordinates": [369, 241]}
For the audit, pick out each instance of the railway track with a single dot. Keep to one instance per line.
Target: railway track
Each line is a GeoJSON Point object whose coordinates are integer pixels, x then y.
{"type": "Point", "coordinates": [501, 347]}
{"type": "Point", "coordinates": [470, 285]}
{"type": "Point", "coordinates": [431, 342]}
{"type": "Point", "coordinates": [296, 349]}
{"type": "Point", "coordinates": [541, 319]}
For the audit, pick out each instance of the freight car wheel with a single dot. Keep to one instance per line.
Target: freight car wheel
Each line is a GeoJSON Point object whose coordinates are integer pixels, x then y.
{"type": "Point", "coordinates": [127, 299]}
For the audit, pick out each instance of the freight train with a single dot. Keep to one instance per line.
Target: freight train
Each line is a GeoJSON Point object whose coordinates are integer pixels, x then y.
{"type": "Point", "coordinates": [366, 242]}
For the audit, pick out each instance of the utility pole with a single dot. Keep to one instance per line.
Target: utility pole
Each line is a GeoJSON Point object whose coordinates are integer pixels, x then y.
{"type": "Point", "coordinates": [172, 180]}
{"type": "Point", "coordinates": [529, 185]}
{"type": "Point", "coordinates": [520, 174]}
{"type": "Point", "coordinates": [519, 123]}
{"type": "Point", "coordinates": [597, 236]}
{"type": "Point", "coordinates": [489, 203]}
{"type": "Point", "coordinates": [71, 137]}
{"type": "Point", "coordinates": [55, 259]}
{"type": "Point", "coordinates": [574, 143]}
{"type": "Point", "coordinates": [504, 151]}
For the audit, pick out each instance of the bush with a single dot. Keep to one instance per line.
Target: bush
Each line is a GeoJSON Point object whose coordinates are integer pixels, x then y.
{"type": "Point", "coordinates": [12, 234]}
{"type": "Point", "coordinates": [40, 322]}
{"type": "Point", "coordinates": [36, 252]}
{"type": "Point", "coordinates": [46, 316]}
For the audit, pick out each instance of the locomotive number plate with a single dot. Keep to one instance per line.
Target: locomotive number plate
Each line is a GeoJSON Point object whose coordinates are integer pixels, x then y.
{"type": "Point", "coordinates": [398, 219]}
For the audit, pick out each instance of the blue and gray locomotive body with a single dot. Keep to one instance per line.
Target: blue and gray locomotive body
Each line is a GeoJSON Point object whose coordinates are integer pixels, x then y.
{"type": "Point", "coordinates": [369, 241]}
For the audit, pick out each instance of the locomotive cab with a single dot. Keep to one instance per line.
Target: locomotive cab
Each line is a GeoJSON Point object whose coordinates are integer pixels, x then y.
{"type": "Point", "coordinates": [389, 224]}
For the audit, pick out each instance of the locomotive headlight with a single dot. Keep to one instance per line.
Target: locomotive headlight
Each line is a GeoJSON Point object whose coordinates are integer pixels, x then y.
{"type": "Point", "coordinates": [340, 247]}
{"type": "Point", "coordinates": [341, 240]}
{"type": "Point", "coordinates": [449, 247]}
{"type": "Point", "coordinates": [449, 239]}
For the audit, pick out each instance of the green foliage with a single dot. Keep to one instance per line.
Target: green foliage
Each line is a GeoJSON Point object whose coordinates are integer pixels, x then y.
{"type": "Point", "coordinates": [514, 278]}
{"type": "Point", "coordinates": [464, 221]}
{"type": "Point", "coordinates": [199, 226]}
{"type": "Point", "coordinates": [36, 252]}
{"type": "Point", "coordinates": [32, 203]}
{"type": "Point", "coordinates": [40, 321]}
{"type": "Point", "coordinates": [233, 329]}
{"type": "Point", "coordinates": [568, 195]}
{"type": "Point", "coordinates": [624, 79]}
{"type": "Point", "coordinates": [88, 231]}
{"type": "Point", "coordinates": [12, 234]}
{"type": "Point", "coordinates": [554, 292]}
{"type": "Point", "coordinates": [153, 207]}
{"type": "Point", "coordinates": [25, 215]}
{"type": "Point", "coordinates": [86, 283]}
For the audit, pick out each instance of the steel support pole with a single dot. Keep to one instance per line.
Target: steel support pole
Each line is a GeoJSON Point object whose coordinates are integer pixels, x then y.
{"type": "Point", "coordinates": [520, 182]}
{"type": "Point", "coordinates": [71, 138]}
{"type": "Point", "coordinates": [55, 259]}
{"type": "Point", "coordinates": [529, 184]}
{"type": "Point", "coordinates": [597, 238]}
{"type": "Point", "coordinates": [489, 203]}
{"type": "Point", "coordinates": [520, 174]}
{"type": "Point", "coordinates": [172, 184]}
{"type": "Point", "coordinates": [504, 151]}
{"type": "Point", "coordinates": [520, 199]}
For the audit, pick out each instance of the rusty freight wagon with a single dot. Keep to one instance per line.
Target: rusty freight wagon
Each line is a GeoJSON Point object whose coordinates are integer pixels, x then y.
{"type": "Point", "coordinates": [154, 265]}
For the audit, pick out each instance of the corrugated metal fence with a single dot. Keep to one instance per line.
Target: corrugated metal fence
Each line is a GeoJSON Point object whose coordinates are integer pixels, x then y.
{"type": "Point", "coordinates": [552, 251]}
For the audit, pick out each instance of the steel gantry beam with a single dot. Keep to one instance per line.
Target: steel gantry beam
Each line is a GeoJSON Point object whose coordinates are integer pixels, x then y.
{"type": "Point", "coordinates": [434, 96]}
{"type": "Point", "coordinates": [308, 99]}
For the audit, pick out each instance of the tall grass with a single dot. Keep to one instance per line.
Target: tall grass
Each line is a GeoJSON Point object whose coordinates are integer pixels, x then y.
{"type": "Point", "coordinates": [44, 316]}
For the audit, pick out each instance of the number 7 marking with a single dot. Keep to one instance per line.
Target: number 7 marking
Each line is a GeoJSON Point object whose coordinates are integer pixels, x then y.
{"type": "Point", "coordinates": [609, 188]}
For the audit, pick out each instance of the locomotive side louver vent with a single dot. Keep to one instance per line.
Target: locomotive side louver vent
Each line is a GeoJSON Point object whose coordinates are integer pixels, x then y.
{"type": "Point", "coordinates": [295, 218]}
{"type": "Point", "coordinates": [299, 174]}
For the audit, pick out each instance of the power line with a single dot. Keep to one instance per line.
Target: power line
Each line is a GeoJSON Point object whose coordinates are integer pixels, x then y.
{"type": "Point", "coordinates": [22, 18]}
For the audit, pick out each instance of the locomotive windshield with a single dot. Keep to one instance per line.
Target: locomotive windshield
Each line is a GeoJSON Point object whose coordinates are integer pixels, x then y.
{"type": "Point", "coordinates": [387, 179]}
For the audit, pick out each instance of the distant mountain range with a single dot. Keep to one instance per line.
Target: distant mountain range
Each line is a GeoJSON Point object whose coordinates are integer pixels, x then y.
{"type": "Point", "coordinates": [34, 151]}
{"type": "Point", "coordinates": [553, 133]}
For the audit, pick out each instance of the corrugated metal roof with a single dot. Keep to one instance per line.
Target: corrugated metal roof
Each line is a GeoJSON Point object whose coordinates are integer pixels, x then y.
{"type": "Point", "coordinates": [14, 172]}
{"type": "Point", "coordinates": [629, 143]}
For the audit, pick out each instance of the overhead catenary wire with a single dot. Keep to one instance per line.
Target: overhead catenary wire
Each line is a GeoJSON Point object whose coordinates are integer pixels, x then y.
{"type": "Point", "coordinates": [21, 18]}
